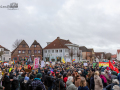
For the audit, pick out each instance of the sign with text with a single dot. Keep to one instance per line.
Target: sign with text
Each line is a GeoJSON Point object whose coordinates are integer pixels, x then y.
{"type": "Point", "coordinates": [36, 63]}
{"type": "Point", "coordinates": [104, 64]}
{"type": "Point", "coordinates": [42, 64]}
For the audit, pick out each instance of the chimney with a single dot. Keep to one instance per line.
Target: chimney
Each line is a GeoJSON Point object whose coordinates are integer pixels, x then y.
{"type": "Point", "coordinates": [58, 37]}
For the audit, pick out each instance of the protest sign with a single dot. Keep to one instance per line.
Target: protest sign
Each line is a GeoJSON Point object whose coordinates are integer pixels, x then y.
{"type": "Point", "coordinates": [53, 63]}
{"type": "Point", "coordinates": [6, 64]}
{"type": "Point", "coordinates": [68, 60]}
{"type": "Point", "coordinates": [104, 64]}
{"type": "Point", "coordinates": [42, 64]}
{"type": "Point", "coordinates": [85, 64]}
{"type": "Point", "coordinates": [36, 63]}
{"type": "Point", "coordinates": [47, 63]}
{"type": "Point", "coordinates": [94, 64]}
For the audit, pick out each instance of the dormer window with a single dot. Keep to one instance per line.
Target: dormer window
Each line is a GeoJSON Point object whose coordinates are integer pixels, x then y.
{"type": "Point", "coordinates": [35, 45]}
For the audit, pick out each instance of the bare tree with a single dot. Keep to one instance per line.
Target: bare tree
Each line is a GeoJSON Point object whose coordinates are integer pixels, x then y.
{"type": "Point", "coordinates": [78, 54]}
{"type": "Point", "coordinates": [16, 43]}
{"type": "Point", "coordinates": [71, 53]}
{"type": "Point", "coordinates": [1, 53]}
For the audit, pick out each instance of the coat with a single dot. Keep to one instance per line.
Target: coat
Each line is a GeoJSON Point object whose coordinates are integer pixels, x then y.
{"type": "Point", "coordinates": [7, 83]}
{"type": "Point", "coordinates": [77, 83]}
{"type": "Point", "coordinates": [108, 79]}
{"type": "Point", "coordinates": [49, 81]}
{"type": "Point", "coordinates": [71, 86]}
{"type": "Point", "coordinates": [92, 84]}
{"type": "Point", "coordinates": [98, 82]}
{"type": "Point", "coordinates": [60, 84]}
{"type": "Point", "coordinates": [83, 88]}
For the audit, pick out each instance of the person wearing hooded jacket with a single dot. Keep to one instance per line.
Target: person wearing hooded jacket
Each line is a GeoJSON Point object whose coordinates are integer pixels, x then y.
{"type": "Point", "coordinates": [60, 83]}
{"type": "Point", "coordinates": [70, 85]}
{"type": "Point", "coordinates": [98, 81]}
{"type": "Point", "coordinates": [15, 82]}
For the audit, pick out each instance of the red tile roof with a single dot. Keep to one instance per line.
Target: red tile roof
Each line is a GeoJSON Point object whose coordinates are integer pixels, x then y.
{"type": "Point", "coordinates": [114, 56]}
{"type": "Point", "coordinates": [118, 51]}
{"type": "Point", "coordinates": [58, 43]}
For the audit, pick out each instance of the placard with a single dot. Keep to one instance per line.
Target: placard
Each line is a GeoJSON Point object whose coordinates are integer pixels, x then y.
{"type": "Point", "coordinates": [68, 60]}
{"type": "Point", "coordinates": [36, 63]}
{"type": "Point", "coordinates": [53, 63]}
{"type": "Point", "coordinates": [6, 64]}
{"type": "Point", "coordinates": [85, 64]}
{"type": "Point", "coordinates": [47, 63]}
{"type": "Point", "coordinates": [42, 64]}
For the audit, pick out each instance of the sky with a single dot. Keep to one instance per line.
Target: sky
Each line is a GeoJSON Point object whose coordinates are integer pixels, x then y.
{"type": "Point", "coordinates": [91, 23]}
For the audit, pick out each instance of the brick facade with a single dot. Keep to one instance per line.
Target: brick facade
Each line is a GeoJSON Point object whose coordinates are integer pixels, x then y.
{"type": "Point", "coordinates": [23, 51]}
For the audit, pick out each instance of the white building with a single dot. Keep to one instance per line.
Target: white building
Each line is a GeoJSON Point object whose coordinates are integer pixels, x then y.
{"type": "Point", "coordinates": [6, 56]}
{"type": "Point", "coordinates": [60, 48]}
{"type": "Point", "coordinates": [118, 55]}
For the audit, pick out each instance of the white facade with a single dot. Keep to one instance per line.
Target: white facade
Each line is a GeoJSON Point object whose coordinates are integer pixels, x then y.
{"type": "Point", "coordinates": [6, 55]}
{"type": "Point", "coordinates": [58, 54]}
{"type": "Point", "coordinates": [118, 56]}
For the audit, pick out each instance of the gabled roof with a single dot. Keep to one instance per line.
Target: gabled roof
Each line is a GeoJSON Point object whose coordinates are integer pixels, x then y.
{"type": "Point", "coordinates": [83, 48]}
{"type": "Point", "coordinates": [58, 43]}
{"type": "Point", "coordinates": [118, 51]}
{"type": "Point", "coordinates": [22, 43]}
{"type": "Point", "coordinates": [36, 43]}
{"type": "Point", "coordinates": [114, 56]}
{"type": "Point", "coordinates": [4, 48]}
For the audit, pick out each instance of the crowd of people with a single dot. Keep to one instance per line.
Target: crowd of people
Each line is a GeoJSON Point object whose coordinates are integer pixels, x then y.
{"type": "Point", "coordinates": [59, 77]}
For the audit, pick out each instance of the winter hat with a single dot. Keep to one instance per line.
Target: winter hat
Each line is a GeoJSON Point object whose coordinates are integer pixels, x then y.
{"type": "Point", "coordinates": [39, 75]}
{"type": "Point", "coordinates": [48, 73]}
{"type": "Point", "coordinates": [79, 72]}
{"type": "Point", "coordinates": [70, 78]}
{"type": "Point", "coordinates": [53, 73]}
{"type": "Point", "coordinates": [26, 78]}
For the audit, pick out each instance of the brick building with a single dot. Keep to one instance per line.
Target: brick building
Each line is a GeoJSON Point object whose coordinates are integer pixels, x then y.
{"type": "Point", "coordinates": [23, 51]}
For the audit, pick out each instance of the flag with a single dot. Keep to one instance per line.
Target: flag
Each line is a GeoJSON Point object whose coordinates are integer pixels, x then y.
{"type": "Point", "coordinates": [113, 62]}
{"type": "Point", "coordinates": [73, 60]}
{"type": "Point", "coordinates": [112, 67]}
{"type": "Point", "coordinates": [63, 60]}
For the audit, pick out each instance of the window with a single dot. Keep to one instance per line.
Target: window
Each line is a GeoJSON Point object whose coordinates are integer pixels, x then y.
{"type": "Point", "coordinates": [45, 51]}
{"type": "Point", "coordinates": [60, 50]}
{"type": "Point", "coordinates": [19, 51]}
{"type": "Point", "coordinates": [56, 51]}
{"type": "Point", "coordinates": [48, 51]}
{"type": "Point", "coordinates": [15, 58]}
{"type": "Point", "coordinates": [23, 51]}
{"type": "Point", "coordinates": [9, 58]}
{"type": "Point", "coordinates": [52, 51]}
{"type": "Point", "coordinates": [29, 51]}
{"type": "Point", "coordinates": [66, 50]}
{"type": "Point", "coordinates": [23, 45]}
{"type": "Point", "coordinates": [4, 58]}
{"type": "Point", "coordinates": [38, 51]}
{"type": "Point", "coordinates": [35, 45]}
{"type": "Point", "coordinates": [35, 51]}
{"type": "Point", "coordinates": [7, 52]}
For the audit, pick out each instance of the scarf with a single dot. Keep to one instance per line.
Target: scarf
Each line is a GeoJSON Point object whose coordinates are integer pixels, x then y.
{"type": "Point", "coordinates": [7, 76]}
{"type": "Point", "coordinates": [104, 79]}
{"type": "Point", "coordinates": [37, 79]}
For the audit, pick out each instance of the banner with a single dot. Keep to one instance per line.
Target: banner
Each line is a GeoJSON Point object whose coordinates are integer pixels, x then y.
{"type": "Point", "coordinates": [42, 64]}
{"type": "Point", "coordinates": [104, 64]}
{"type": "Point", "coordinates": [94, 64]}
{"type": "Point", "coordinates": [36, 63]}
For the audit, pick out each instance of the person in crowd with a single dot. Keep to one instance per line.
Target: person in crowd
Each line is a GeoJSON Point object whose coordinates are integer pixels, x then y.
{"type": "Point", "coordinates": [104, 80]}
{"type": "Point", "coordinates": [83, 84]}
{"type": "Point", "coordinates": [107, 77]}
{"type": "Point", "coordinates": [98, 81]}
{"type": "Point", "coordinates": [92, 84]}
{"type": "Point", "coordinates": [37, 82]}
{"type": "Point", "coordinates": [60, 83]}
{"type": "Point", "coordinates": [70, 85]}
{"type": "Point", "coordinates": [15, 82]}
{"type": "Point", "coordinates": [65, 78]}
{"type": "Point", "coordinates": [77, 80]}
{"type": "Point", "coordinates": [7, 81]}
{"type": "Point", "coordinates": [113, 85]}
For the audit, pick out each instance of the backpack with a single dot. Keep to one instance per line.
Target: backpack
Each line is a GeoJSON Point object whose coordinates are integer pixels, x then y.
{"type": "Point", "coordinates": [38, 87]}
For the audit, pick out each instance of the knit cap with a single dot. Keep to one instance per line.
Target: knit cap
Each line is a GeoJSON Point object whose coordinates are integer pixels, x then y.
{"type": "Point", "coordinates": [39, 75]}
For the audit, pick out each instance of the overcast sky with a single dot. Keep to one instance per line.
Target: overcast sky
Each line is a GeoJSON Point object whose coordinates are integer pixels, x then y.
{"type": "Point", "coordinates": [91, 23]}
